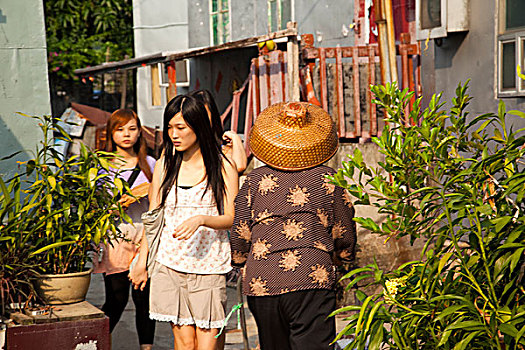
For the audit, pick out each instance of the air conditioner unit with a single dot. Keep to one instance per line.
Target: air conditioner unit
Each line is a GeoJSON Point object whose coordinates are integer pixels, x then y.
{"type": "Point", "coordinates": [437, 18]}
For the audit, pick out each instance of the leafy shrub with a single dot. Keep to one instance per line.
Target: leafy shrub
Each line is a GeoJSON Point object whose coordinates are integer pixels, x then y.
{"type": "Point", "coordinates": [458, 183]}
{"type": "Point", "coordinates": [54, 213]}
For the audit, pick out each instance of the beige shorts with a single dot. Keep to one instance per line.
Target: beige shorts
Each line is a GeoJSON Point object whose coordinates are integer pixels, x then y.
{"type": "Point", "coordinates": [187, 298]}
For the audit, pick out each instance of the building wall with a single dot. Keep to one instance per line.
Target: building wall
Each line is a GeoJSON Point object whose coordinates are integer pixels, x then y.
{"type": "Point", "coordinates": [158, 26]}
{"type": "Point", "coordinates": [469, 55]}
{"type": "Point", "coordinates": [217, 74]}
{"type": "Point", "coordinates": [24, 83]}
{"type": "Point", "coordinates": [323, 18]}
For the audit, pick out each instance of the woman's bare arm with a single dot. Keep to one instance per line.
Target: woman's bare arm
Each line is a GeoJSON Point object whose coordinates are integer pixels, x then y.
{"type": "Point", "coordinates": [235, 150]}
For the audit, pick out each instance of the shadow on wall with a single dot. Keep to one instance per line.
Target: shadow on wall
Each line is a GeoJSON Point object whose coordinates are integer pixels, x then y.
{"type": "Point", "coordinates": [10, 144]}
{"type": "Point", "coordinates": [446, 48]}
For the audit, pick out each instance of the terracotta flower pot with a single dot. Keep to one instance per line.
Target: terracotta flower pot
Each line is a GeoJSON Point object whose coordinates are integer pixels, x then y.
{"type": "Point", "coordinates": [65, 288]}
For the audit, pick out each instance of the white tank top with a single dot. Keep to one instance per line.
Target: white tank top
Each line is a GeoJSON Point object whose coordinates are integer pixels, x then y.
{"type": "Point", "coordinates": [207, 251]}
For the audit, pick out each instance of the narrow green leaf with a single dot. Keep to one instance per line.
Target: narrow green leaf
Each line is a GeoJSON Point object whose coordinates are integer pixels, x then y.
{"type": "Point", "coordinates": [462, 345]}
{"type": "Point", "coordinates": [443, 261]}
{"type": "Point", "coordinates": [508, 329]}
{"type": "Point", "coordinates": [52, 182]}
{"type": "Point", "coordinates": [51, 246]}
{"type": "Point", "coordinates": [92, 176]}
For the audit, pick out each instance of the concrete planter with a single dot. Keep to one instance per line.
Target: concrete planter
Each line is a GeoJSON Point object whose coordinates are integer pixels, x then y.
{"type": "Point", "coordinates": [63, 288]}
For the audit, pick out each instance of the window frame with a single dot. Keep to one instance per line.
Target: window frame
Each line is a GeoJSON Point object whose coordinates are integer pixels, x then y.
{"type": "Point", "coordinates": [220, 12]}
{"type": "Point", "coordinates": [280, 6]}
{"type": "Point", "coordinates": [517, 36]}
{"type": "Point", "coordinates": [163, 79]}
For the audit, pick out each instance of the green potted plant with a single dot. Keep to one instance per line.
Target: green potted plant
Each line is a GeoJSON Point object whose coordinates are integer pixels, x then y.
{"type": "Point", "coordinates": [54, 213]}
{"type": "Point", "coordinates": [458, 182]}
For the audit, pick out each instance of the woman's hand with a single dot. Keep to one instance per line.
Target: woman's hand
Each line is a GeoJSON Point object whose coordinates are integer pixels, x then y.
{"type": "Point", "coordinates": [138, 277]}
{"type": "Point", "coordinates": [228, 137]}
{"type": "Point", "coordinates": [188, 227]}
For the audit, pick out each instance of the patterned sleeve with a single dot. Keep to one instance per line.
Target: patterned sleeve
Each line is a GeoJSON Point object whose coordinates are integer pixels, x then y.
{"type": "Point", "coordinates": [240, 237]}
{"type": "Point", "coordinates": [344, 229]}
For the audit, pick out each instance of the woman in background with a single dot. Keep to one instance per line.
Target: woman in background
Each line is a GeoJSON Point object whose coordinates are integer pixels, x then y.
{"type": "Point", "coordinates": [134, 166]}
{"type": "Point", "coordinates": [232, 143]}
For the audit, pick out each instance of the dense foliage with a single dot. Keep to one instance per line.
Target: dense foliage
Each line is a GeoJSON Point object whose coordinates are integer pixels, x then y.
{"type": "Point", "coordinates": [83, 33]}
{"type": "Point", "coordinates": [54, 212]}
{"type": "Point", "coordinates": [457, 182]}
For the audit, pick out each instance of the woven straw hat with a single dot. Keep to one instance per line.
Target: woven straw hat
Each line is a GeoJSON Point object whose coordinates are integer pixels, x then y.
{"type": "Point", "coordinates": [293, 136]}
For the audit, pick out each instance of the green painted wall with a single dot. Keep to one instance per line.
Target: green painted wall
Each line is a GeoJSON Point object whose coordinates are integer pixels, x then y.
{"type": "Point", "coordinates": [24, 83]}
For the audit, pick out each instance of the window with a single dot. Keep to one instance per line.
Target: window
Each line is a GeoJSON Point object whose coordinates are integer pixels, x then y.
{"type": "Point", "coordinates": [160, 91]}
{"type": "Point", "coordinates": [279, 13]}
{"type": "Point", "coordinates": [511, 48]}
{"type": "Point", "coordinates": [219, 21]}
{"type": "Point", "coordinates": [182, 71]}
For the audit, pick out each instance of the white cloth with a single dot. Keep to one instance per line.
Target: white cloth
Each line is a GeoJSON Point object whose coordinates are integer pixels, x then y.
{"type": "Point", "coordinates": [207, 251]}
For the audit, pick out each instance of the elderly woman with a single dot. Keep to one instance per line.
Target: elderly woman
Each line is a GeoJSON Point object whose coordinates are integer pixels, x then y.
{"type": "Point", "coordinates": [290, 225]}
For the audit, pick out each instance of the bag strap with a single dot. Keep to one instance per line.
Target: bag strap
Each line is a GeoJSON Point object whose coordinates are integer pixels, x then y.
{"type": "Point", "coordinates": [133, 176]}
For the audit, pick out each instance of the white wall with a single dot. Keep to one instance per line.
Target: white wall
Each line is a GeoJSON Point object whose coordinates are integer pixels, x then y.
{"type": "Point", "coordinates": [24, 85]}
{"type": "Point", "coordinates": [159, 26]}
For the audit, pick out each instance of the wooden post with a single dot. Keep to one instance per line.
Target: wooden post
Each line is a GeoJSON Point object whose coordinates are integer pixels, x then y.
{"type": "Point", "coordinates": [264, 83]}
{"type": "Point", "coordinates": [292, 50]}
{"type": "Point", "coordinates": [322, 78]}
{"type": "Point", "coordinates": [276, 85]}
{"type": "Point", "coordinates": [255, 88]}
{"type": "Point", "coordinates": [172, 81]}
{"type": "Point", "coordinates": [357, 106]}
{"type": "Point", "coordinates": [156, 98]}
{"type": "Point", "coordinates": [340, 101]}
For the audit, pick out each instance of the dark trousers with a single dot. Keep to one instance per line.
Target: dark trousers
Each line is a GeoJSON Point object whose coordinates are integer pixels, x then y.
{"type": "Point", "coordinates": [296, 320]}
{"type": "Point", "coordinates": [117, 294]}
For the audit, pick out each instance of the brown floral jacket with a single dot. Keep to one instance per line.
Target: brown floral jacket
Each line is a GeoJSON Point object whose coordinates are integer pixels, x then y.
{"type": "Point", "coordinates": [287, 228]}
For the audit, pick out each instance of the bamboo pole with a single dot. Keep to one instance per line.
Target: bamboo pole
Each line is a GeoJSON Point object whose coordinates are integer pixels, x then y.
{"type": "Point", "coordinates": [382, 40]}
{"type": "Point", "coordinates": [391, 40]}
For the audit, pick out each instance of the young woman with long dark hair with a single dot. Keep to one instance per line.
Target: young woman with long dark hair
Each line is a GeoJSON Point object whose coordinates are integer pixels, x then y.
{"type": "Point", "coordinates": [196, 185]}
{"type": "Point", "coordinates": [131, 164]}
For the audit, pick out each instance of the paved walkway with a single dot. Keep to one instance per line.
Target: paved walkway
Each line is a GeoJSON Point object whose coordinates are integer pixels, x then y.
{"type": "Point", "coordinates": [124, 336]}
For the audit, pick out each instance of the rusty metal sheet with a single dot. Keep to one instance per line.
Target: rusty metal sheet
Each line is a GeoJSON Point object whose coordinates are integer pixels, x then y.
{"type": "Point", "coordinates": [357, 108]}
{"type": "Point", "coordinates": [340, 103]}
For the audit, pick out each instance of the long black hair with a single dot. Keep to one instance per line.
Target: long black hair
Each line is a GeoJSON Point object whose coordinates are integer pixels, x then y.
{"type": "Point", "coordinates": [195, 115]}
{"type": "Point", "coordinates": [206, 97]}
